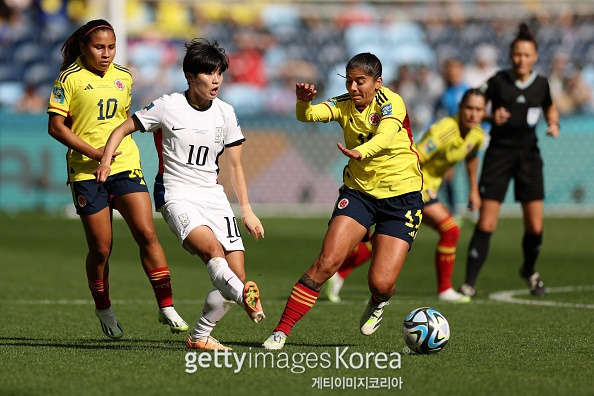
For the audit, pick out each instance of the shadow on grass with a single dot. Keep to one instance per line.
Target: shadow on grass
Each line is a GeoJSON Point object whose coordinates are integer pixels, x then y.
{"type": "Point", "coordinates": [97, 344]}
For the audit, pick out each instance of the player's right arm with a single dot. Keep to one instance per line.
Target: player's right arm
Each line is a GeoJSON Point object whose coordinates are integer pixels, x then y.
{"type": "Point", "coordinates": [126, 128]}
{"type": "Point", "coordinates": [58, 130]}
{"type": "Point", "coordinates": [304, 110]}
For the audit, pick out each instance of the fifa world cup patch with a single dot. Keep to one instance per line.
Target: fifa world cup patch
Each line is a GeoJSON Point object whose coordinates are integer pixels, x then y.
{"type": "Point", "coordinates": [184, 220]}
{"type": "Point", "coordinates": [119, 84]}
{"type": "Point", "coordinates": [387, 110]}
{"type": "Point", "coordinates": [331, 102]}
{"type": "Point", "coordinates": [82, 201]}
{"type": "Point", "coordinates": [57, 95]}
{"type": "Point", "coordinates": [343, 203]}
{"type": "Point", "coordinates": [374, 119]}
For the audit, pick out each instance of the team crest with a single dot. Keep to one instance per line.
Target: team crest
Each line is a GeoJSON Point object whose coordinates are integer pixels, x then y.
{"type": "Point", "coordinates": [218, 134]}
{"type": "Point", "coordinates": [58, 95]}
{"type": "Point", "coordinates": [82, 201]}
{"type": "Point", "coordinates": [374, 119]}
{"type": "Point", "coordinates": [343, 203]}
{"type": "Point", "coordinates": [387, 110]}
{"type": "Point", "coordinates": [119, 84]}
{"type": "Point", "coordinates": [184, 219]}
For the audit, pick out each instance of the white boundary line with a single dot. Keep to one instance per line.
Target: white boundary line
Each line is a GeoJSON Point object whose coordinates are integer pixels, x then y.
{"type": "Point", "coordinates": [508, 296]}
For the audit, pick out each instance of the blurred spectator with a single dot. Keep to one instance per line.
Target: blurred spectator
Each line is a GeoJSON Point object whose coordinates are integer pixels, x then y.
{"type": "Point", "coordinates": [453, 75]}
{"type": "Point", "coordinates": [31, 101]}
{"type": "Point", "coordinates": [246, 63]}
{"type": "Point", "coordinates": [578, 93]}
{"type": "Point", "coordinates": [484, 65]}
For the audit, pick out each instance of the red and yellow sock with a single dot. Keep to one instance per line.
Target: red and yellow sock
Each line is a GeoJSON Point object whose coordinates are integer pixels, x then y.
{"type": "Point", "coordinates": [300, 301]}
{"type": "Point", "coordinates": [445, 254]}
{"type": "Point", "coordinates": [356, 257]}
{"type": "Point", "coordinates": [161, 281]}
{"type": "Point", "coordinates": [100, 292]}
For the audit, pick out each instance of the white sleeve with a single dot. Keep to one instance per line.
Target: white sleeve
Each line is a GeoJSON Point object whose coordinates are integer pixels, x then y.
{"type": "Point", "coordinates": [151, 117]}
{"type": "Point", "coordinates": [234, 135]}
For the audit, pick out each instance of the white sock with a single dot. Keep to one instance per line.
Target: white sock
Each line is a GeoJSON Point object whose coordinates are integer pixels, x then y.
{"type": "Point", "coordinates": [224, 279]}
{"type": "Point", "coordinates": [215, 307]}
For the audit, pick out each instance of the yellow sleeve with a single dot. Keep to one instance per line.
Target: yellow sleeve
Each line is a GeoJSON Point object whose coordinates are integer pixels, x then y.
{"type": "Point", "coordinates": [306, 112]}
{"type": "Point", "coordinates": [471, 145]}
{"type": "Point", "coordinates": [427, 146]}
{"type": "Point", "coordinates": [59, 99]}
{"type": "Point", "coordinates": [386, 130]}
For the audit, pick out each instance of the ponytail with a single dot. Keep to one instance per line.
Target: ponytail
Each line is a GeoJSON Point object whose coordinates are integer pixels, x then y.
{"type": "Point", "coordinates": [524, 34]}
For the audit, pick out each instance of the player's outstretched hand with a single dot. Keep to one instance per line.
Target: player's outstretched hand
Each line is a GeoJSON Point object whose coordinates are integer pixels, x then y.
{"type": "Point", "coordinates": [354, 154]}
{"type": "Point", "coordinates": [251, 222]}
{"type": "Point", "coordinates": [305, 92]}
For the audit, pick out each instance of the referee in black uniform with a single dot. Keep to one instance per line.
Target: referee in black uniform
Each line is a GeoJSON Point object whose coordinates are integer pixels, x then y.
{"type": "Point", "coordinates": [518, 97]}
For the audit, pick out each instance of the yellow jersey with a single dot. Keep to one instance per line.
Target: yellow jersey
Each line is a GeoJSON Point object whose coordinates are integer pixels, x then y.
{"type": "Point", "coordinates": [381, 133]}
{"type": "Point", "coordinates": [94, 106]}
{"type": "Point", "coordinates": [442, 147]}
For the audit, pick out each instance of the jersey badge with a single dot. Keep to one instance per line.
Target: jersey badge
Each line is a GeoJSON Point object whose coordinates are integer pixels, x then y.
{"type": "Point", "coordinates": [429, 146]}
{"type": "Point", "coordinates": [521, 99]}
{"type": "Point", "coordinates": [58, 95]}
{"type": "Point", "coordinates": [387, 110]}
{"type": "Point", "coordinates": [119, 84]}
{"type": "Point", "coordinates": [343, 203]}
{"type": "Point", "coordinates": [374, 119]}
{"type": "Point", "coordinates": [82, 201]}
{"type": "Point", "coordinates": [331, 102]}
{"type": "Point", "coordinates": [218, 134]}
{"type": "Point", "coordinates": [184, 220]}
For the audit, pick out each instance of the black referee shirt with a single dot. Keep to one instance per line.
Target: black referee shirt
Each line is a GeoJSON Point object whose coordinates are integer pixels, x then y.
{"type": "Point", "coordinates": [524, 100]}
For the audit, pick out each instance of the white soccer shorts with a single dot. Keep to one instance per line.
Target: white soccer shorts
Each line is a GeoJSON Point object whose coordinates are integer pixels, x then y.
{"type": "Point", "coordinates": [183, 216]}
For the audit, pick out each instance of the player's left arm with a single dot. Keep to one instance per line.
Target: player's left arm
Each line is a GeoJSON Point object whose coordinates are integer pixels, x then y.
{"type": "Point", "coordinates": [552, 117]}
{"type": "Point", "coordinates": [250, 221]}
{"type": "Point", "coordinates": [474, 197]}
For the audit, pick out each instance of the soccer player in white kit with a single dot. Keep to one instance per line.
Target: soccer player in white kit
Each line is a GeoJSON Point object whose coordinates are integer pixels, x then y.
{"type": "Point", "coordinates": [192, 129]}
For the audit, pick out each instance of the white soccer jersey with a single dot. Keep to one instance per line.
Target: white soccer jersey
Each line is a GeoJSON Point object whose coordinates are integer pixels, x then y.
{"type": "Point", "coordinates": [191, 142]}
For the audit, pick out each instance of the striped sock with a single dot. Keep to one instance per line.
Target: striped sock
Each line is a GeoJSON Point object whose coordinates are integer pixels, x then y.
{"type": "Point", "coordinates": [161, 283]}
{"type": "Point", "coordinates": [445, 255]}
{"type": "Point", "coordinates": [300, 301]}
{"type": "Point", "coordinates": [100, 292]}
{"type": "Point", "coordinates": [358, 256]}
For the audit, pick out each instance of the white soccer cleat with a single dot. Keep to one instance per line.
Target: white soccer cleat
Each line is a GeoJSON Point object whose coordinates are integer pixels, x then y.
{"type": "Point", "coordinates": [169, 316]}
{"type": "Point", "coordinates": [275, 341]}
{"type": "Point", "coordinates": [333, 286]}
{"type": "Point", "coordinates": [372, 317]}
{"type": "Point", "coordinates": [109, 323]}
{"type": "Point", "coordinates": [452, 296]}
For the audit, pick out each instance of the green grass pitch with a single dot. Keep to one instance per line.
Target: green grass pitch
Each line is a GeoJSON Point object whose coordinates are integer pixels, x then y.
{"type": "Point", "coordinates": [51, 341]}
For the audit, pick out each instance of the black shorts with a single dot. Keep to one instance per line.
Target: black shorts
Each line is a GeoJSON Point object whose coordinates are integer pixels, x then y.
{"type": "Point", "coordinates": [398, 216]}
{"type": "Point", "coordinates": [501, 164]}
{"type": "Point", "coordinates": [91, 197]}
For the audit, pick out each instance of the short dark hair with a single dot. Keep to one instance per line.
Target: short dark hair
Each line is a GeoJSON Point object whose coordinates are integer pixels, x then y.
{"type": "Point", "coordinates": [204, 57]}
{"type": "Point", "coordinates": [369, 63]}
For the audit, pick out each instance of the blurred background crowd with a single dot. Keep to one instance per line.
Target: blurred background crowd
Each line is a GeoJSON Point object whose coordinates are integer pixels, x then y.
{"type": "Point", "coordinates": [428, 48]}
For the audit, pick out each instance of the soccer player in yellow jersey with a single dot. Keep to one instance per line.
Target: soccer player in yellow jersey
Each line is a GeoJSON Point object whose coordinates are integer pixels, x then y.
{"type": "Point", "coordinates": [90, 97]}
{"type": "Point", "coordinates": [447, 142]}
{"type": "Point", "coordinates": [382, 186]}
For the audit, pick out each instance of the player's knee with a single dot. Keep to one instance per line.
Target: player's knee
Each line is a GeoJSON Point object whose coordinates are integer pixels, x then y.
{"type": "Point", "coordinates": [326, 265]}
{"type": "Point", "coordinates": [146, 236]}
{"type": "Point", "coordinates": [100, 253]}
